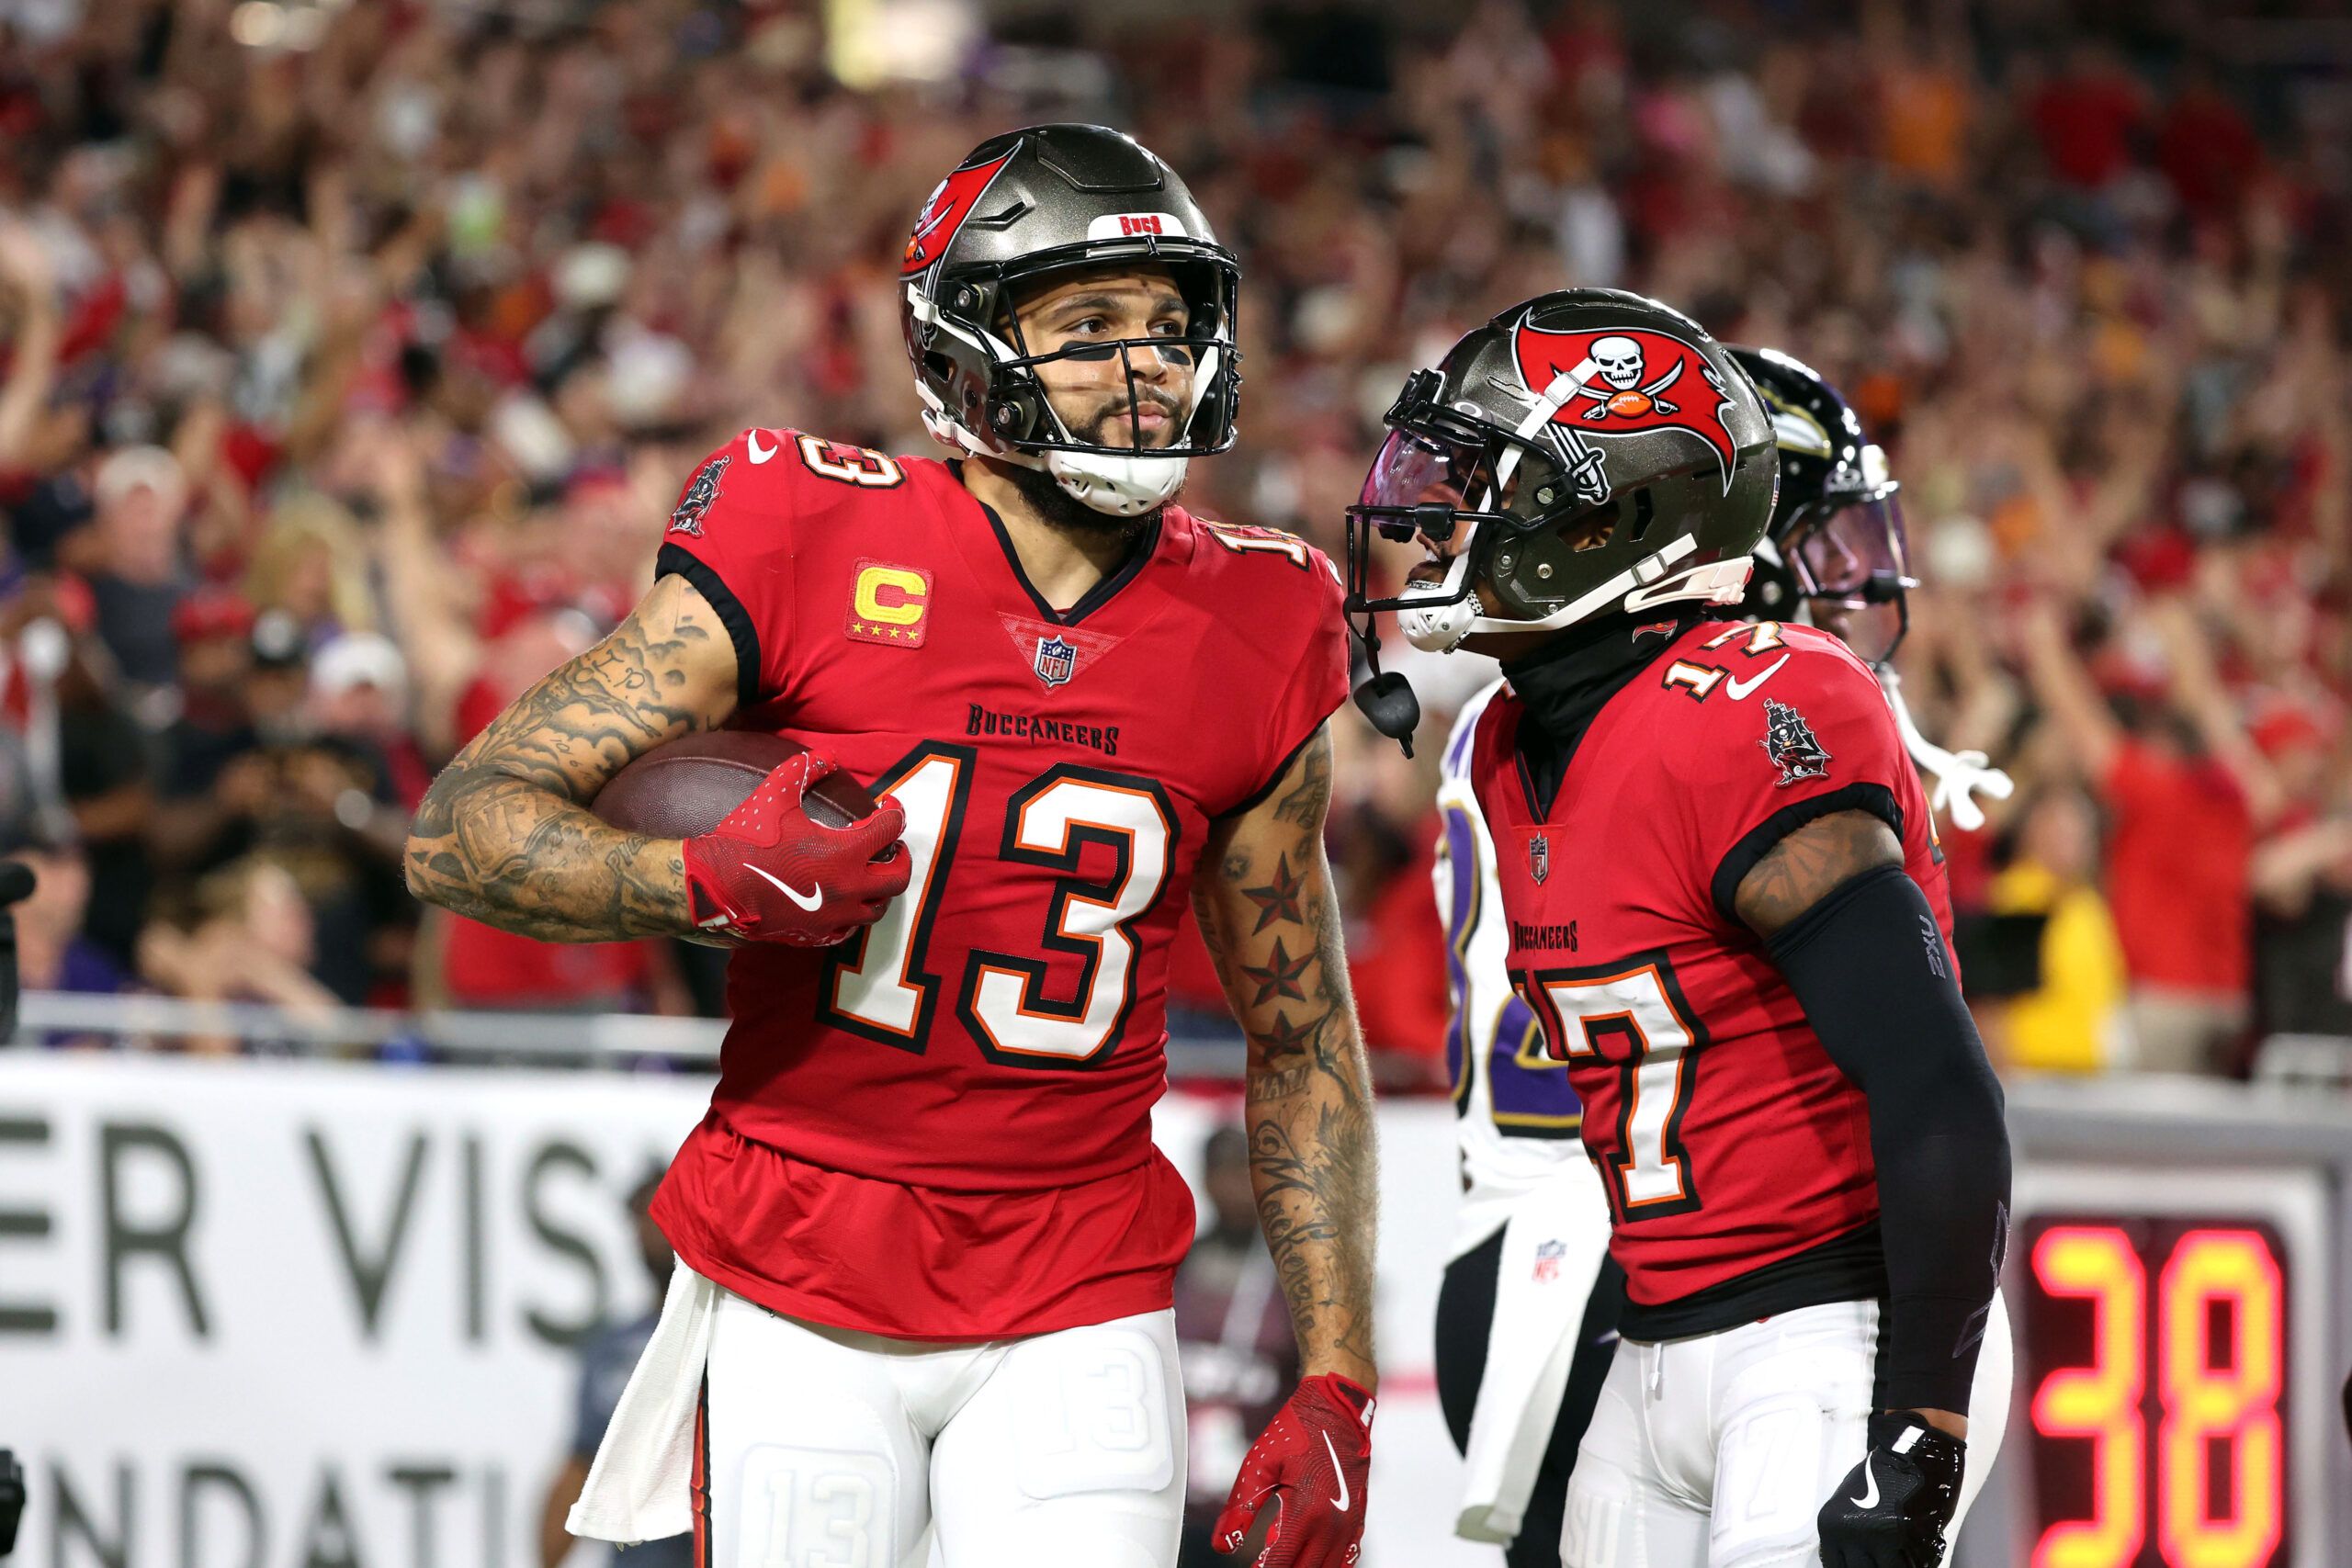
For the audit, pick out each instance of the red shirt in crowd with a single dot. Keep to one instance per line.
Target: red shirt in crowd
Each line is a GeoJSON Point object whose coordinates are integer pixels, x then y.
{"type": "Point", "coordinates": [485, 968]}
{"type": "Point", "coordinates": [2087, 125]}
{"type": "Point", "coordinates": [2176, 873]}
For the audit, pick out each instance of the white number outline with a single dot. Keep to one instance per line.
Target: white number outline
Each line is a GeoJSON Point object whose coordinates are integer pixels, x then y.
{"type": "Point", "coordinates": [984, 991]}
{"type": "Point", "coordinates": [1244, 540]}
{"type": "Point", "coordinates": [1640, 1000]}
{"type": "Point", "coordinates": [1762, 638]}
{"type": "Point", "coordinates": [870, 1004]}
{"type": "Point", "coordinates": [895, 1002]}
{"type": "Point", "coordinates": [886, 474]}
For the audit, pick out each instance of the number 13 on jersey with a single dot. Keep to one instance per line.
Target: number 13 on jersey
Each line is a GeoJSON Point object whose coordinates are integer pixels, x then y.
{"type": "Point", "coordinates": [1629, 1016]}
{"type": "Point", "coordinates": [884, 988]}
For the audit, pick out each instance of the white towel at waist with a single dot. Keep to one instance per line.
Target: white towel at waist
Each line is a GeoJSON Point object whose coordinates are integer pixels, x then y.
{"type": "Point", "coordinates": [640, 1487]}
{"type": "Point", "coordinates": [1553, 1246]}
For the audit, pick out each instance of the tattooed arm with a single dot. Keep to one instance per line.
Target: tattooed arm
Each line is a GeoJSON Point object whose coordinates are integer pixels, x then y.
{"type": "Point", "coordinates": [1266, 909]}
{"type": "Point", "coordinates": [1809, 865]}
{"type": "Point", "coordinates": [504, 835]}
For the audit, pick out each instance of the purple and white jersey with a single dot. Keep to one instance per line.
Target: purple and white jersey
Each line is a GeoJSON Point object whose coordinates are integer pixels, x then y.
{"type": "Point", "coordinates": [1516, 1117]}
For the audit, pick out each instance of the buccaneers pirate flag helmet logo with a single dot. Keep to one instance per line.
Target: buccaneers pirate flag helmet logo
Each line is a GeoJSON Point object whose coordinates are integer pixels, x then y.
{"type": "Point", "coordinates": [1586, 452]}
{"type": "Point", "coordinates": [1626, 381]}
{"type": "Point", "coordinates": [951, 202]}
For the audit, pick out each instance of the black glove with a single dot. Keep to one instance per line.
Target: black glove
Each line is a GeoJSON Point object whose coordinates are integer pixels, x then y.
{"type": "Point", "coordinates": [1891, 1510]}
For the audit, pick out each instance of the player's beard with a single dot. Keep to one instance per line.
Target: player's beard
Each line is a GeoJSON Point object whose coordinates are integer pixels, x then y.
{"type": "Point", "coordinates": [1108, 427]}
{"type": "Point", "coordinates": [1064, 511]}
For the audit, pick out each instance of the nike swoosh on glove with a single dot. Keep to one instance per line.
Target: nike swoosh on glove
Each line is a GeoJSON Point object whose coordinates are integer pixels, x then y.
{"type": "Point", "coordinates": [1891, 1509]}
{"type": "Point", "coordinates": [771, 873]}
{"type": "Point", "coordinates": [1312, 1460]}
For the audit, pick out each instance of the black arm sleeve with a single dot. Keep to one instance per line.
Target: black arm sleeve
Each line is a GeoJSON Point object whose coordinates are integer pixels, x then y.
{"type": "Point", "coordinates": [1869, 965]}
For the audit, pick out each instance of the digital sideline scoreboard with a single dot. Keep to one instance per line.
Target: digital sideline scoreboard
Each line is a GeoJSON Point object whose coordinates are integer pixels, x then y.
{"type": "Point", "coordinates": [2179, 1279]}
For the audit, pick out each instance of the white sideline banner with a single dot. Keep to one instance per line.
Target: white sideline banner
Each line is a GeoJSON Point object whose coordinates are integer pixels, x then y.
{"type": "Point", "coordinates": [275, 1314]}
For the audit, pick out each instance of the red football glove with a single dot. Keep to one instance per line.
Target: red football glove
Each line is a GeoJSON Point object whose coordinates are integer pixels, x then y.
{"type": "Point", "coordinates": [1314, 1458]}
{"type": "Point", "coordinates": [770, 872]}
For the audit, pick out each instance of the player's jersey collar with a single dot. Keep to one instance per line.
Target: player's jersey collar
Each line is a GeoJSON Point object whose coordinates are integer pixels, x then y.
{"type": "Point", "coordinates": [998, 561]}
{"type": "Point", "coordinates": [1563, 686]}
{"type": "Point", "coordinates": [1145, 544]}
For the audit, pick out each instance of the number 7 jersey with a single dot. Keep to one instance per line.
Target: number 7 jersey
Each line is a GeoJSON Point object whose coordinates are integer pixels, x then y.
{"type": "Point", "coordinates": [942, 1128]}
{"type": "Point", "coordinates": [1726, 1137]}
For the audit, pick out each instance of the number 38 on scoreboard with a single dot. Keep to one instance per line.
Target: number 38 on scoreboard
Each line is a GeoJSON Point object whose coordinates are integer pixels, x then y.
{"type": "Point", "coordinates": [2154, 1357]}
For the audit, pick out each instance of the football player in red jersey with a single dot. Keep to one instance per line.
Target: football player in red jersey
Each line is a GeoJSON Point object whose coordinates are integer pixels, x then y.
{"type": "Point", "coordinates": [1716, 865]}
{"type": "Point", "coordinates": [1523, 1345]}
{"type": "Point", "coordinates": [927, 1245]}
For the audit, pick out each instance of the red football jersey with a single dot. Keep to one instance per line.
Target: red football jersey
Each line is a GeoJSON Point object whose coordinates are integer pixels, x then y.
{"type": "Point", "coordinates": [1725, 1136]}
{"type": "Point", "coordinates": [941, 1129]}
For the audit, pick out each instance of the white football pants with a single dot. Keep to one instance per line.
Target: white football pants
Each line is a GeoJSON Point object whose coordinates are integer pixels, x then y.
{"type": "Point", "coordinates": [829, 1449]}
{"type": "Point", "coordinates": [1718, 1451]}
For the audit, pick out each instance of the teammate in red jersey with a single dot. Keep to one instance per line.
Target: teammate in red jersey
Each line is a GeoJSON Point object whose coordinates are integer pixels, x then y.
{"type": "Point", "coordinates": [928, 1245]}
{"type": "Point", "coordinates": [1716, 864]}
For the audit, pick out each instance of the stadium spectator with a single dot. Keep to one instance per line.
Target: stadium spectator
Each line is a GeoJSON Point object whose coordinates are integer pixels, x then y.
{"type": "Point", "coordinates": [51, 953]}
{"type": "Point", "coordinates": [134, 562]}
{"type": "Point", "coordinates": [2069, 1018]}
{"type": "Point", "coordinates": [248, 936]}
{"type": "Point", "coordinates": [2302, 874]}
{"type": "Point", "coordinates": [2182, 800]}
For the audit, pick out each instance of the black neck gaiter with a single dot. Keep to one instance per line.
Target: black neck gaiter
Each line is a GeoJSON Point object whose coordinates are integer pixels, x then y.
{"type": "Point", "coordinates": [1565, 683]}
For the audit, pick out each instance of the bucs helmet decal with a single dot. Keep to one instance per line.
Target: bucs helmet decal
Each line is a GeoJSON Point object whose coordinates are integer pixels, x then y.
{"type": "Point", "coordinates": [1543, 475]}
{"type": "Point", "coordinates": [951, 201]}
{"type": "Point", "coordinates": [1625, 381]}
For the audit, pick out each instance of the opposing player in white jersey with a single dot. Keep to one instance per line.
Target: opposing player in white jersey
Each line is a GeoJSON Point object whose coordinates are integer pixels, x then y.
{"type": "Point", "coordinates": [1528, 1274]}
{"type": "Point", "coordinates": [1527, 1307]}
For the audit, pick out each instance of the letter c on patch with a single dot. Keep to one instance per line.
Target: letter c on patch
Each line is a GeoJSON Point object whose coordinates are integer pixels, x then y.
{"type": "Point", "coordinates": [891, 594]}
{"type": "Point", "coordinates": [889, 604]}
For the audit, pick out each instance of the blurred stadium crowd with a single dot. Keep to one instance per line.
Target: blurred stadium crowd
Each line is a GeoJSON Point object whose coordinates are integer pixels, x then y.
{"type": "Point", "coordinates": [355, 354]}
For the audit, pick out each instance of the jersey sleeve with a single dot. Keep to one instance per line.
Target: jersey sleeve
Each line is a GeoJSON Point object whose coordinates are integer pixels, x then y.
{"type": "Point", "coordinates": [1810, 739]}
{"type": "Point", "coordinates": [1311, 680]}
{"type": "Point", "coordinates": [730, 537]}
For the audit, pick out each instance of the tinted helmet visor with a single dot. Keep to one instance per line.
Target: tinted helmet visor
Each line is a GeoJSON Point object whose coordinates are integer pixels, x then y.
{"type": "Point", "coordinates": [1851, 560]}
{"type": "Point", "coordinates": [1437, 477]}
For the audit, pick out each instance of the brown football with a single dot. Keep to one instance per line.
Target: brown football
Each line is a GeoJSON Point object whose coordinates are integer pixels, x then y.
{"type": "Point", "coordinates": [687, 786]}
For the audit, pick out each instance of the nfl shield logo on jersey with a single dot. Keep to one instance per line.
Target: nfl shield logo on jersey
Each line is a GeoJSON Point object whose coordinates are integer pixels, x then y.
{"type": "Point", "coordinates": [1056, 659]}
{"type": "Point", "coordinates": [1547, 1260]}
{"type": "Point", "coordinates": [1539, 858]}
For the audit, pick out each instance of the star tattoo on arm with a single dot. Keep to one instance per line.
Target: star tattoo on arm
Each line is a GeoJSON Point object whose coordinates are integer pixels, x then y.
{"type": "Point", "coordinates": [1278, 901]}
{"type": "Point", "coordinates": [1271, 919]}
{"type": "Point", "coordinates": [1288, 1039]}
{"type": "Point", "coordinates": [1279, 975]}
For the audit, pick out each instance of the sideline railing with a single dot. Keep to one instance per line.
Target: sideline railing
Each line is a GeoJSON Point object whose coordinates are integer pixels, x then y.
{"type": "Point", "coordinates": [577, 1037]}
{"type": "Point", "coordinates": [538, 1038]}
